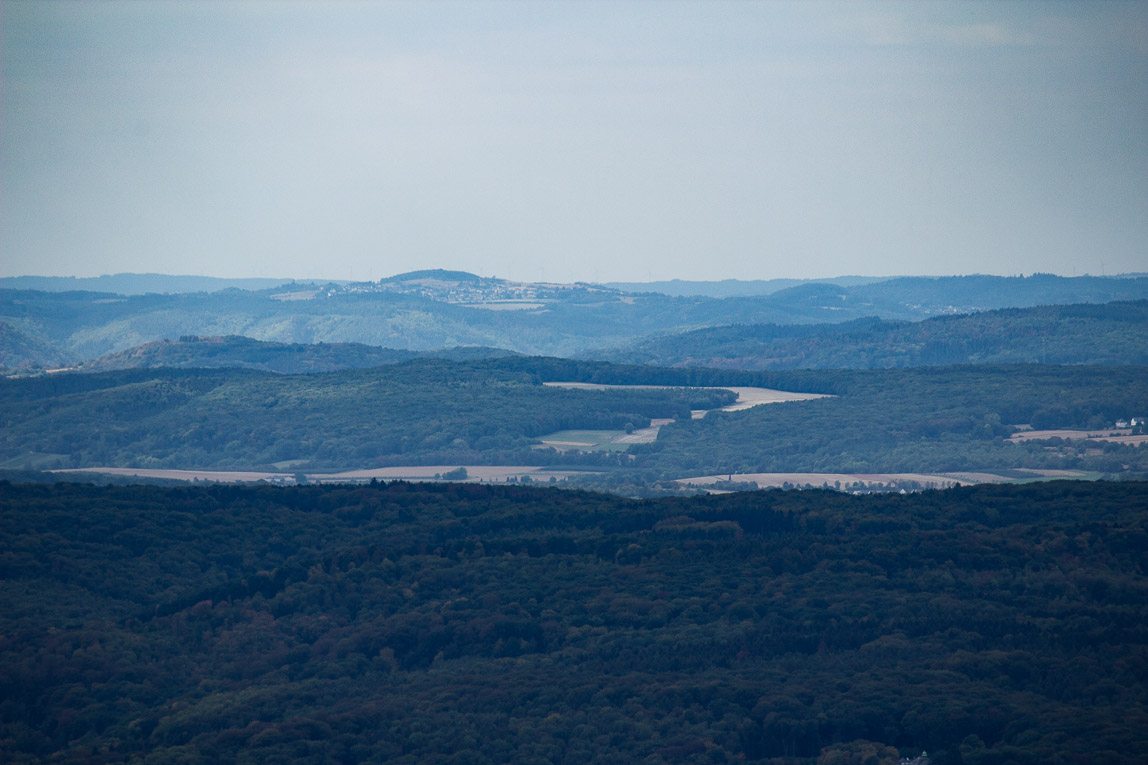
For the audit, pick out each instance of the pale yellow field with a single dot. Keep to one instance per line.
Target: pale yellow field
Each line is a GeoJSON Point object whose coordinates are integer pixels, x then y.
{"type": "Point", "coordinates": [1115, 435]}
{"type": "Point", "coordinates": [222, 476]}
{"type": "Point", "coordinates": [506, 305]}
{"type": "Point", "coordinates": [475, 473]}
{"type": "Point", "coordinates": [746, 397]}
{"type": "Point", "coordinates": [427, 473]}
{"type": "Point", "coordinates": [928, 480]}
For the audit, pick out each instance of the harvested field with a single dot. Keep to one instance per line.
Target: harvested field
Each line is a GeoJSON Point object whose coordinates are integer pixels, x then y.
{"type": "Point", "coordinates": [749, 397]}
{"type": "Point", "coordinates": [891, 481]}
{"type": "Point", "coordinates": [505, 305]}
{"type": "Point", "coordinates": [475, 473]}
{"type": "Point", "coordinates": [427, 473]}
{"type": "Point", "coordinates": [606, 439]}
{"type": "Point", "coordinates": [1134, 440]}
{"type": "Point", "coordinates": [581, 439]}
{"type": "Point", "coordinates": [746, 397]}
{"type": "Point", "coordinates": [1117, 435]}
{"type": "Point", "coordinates": [602, 440]}
{"type": "Point", "coordinates": [221, 476]}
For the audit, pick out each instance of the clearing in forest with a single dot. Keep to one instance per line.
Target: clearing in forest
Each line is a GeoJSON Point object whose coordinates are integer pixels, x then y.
{"type": "Point", "coordinates": [616, 440]}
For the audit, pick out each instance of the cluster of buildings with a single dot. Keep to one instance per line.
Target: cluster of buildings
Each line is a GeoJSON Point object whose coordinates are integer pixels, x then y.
{"type": "Point", "coordinates": [479, 290]}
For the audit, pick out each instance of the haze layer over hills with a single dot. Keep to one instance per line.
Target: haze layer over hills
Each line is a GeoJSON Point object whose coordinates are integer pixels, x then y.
{"type": "Point", "coordinates": [430, 310]}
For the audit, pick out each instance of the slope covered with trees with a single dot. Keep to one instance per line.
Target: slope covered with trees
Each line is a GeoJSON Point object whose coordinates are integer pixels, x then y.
{"type": "Point", "coordinates": [932, 419]}
{"type": "Point", "coordinates": [192, 351]}
{"type": "Point", "coordinates": [436, 412]}
{"type": "Point", "coordinates": [421, 412]}
{"type": "Point", "coordinates": [484, 624]}
{"type": "Point", "coordinates": [1109, 333]}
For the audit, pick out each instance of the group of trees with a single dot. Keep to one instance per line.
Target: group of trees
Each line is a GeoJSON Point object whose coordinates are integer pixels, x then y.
{"type": "Point", "coordinates": [459, 622]}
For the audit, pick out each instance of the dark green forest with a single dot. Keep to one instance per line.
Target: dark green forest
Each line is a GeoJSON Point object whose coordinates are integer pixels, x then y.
{"type": "Point", "coordinates": [412, 413]}
{"type": "Point", "coordinates": [995, 625]}
{"type": "Point", "coordinates": [436, 412]}
{"type": "Point", "coordinates": [1109, 333]}
{"type": "Point", "coordinates": [917, 420]}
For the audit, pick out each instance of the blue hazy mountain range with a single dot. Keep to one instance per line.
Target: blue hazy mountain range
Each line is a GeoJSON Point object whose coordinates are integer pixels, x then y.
{"type": "Point", "coordinates": [430, 310]}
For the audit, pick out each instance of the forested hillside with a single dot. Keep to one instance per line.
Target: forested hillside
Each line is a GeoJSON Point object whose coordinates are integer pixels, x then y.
{"type": "Point", "coordinates": [192, 351]}
{"type": "Point", "coordinates": [437, 412]}
{"type": "Point", "coordinates": [1109, 333]}
{"type": "Point", "coordinates": [937, 419]}
{"type": "Point", "coordinates": [484, 624]}
{"type": "Point", "coordinates": [420, 412]}
{"type": "Point", "coordinates": [19, 352]}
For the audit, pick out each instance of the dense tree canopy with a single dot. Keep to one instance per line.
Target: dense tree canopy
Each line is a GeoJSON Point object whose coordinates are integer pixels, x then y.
{"type": "Point", "coordinates": [926, 420]}
{"type": "Point", "coordinates": [418, 412]}
{"type": "Point", "coordinates": [484, 624]}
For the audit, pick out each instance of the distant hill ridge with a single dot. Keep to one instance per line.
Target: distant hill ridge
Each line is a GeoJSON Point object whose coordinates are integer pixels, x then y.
{"type": "Point", "coordinates": [193, 351]}
{"type": "Point", "coordinates": [441, 274]}
{"type": "Point", "coordinates": [138, 284]}
{"type": "Point", "coordinates": [426, 311]}
{"type": "Point", "coordinates": [736, 287]}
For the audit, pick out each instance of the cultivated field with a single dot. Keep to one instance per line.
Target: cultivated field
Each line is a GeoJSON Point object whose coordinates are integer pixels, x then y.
{"type": "Point", "coordinates": [505, 305]}
{"type": "Point", "coordinates": [750, 397]}
{"type": "Point", "coordinates": [602, 440]}
{"type": "Point", "coordinates": [481, 473]}
{"type": "Point", "coordinates": [220, 476]}
{"type": "Point", "coordinates": [475, 473]}
{"type": "Point", "coordinates": [591, 440]}
{"type": "Point", "coordinates": [892, 481]}
{"type": "Point", "coordinates": [1115, 435]}
{"type": "Point", "coordinates": [746, 397]}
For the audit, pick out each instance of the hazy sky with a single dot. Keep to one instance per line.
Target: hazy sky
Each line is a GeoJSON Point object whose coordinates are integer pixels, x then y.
{"type": "Point", "coordinates": [573, 141]}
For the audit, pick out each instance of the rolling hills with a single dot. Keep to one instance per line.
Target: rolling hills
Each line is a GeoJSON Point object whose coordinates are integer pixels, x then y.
{"type": "Point", "coordinates": [433, 310]}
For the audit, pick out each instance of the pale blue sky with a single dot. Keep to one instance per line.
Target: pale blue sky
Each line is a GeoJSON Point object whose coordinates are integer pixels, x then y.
{"type": "Point", "coordinates": [573, 141]}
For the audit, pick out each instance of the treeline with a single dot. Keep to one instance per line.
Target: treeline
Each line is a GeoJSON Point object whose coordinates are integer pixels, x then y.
{"type": "Point", "coordinates": [446, 623]}
{"type": "Point", "coordinates": [1109, 334]}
